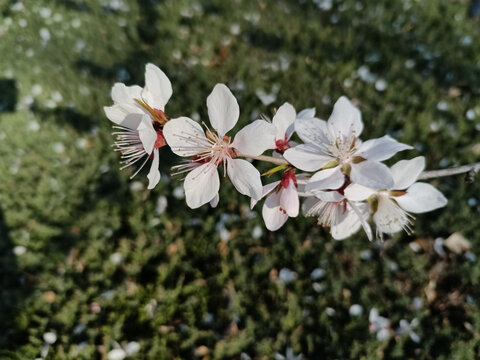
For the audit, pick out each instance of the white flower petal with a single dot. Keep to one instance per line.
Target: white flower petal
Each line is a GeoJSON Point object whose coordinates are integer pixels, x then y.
{"type": "Point", "coordinates": [405, 172]}
{"type": "Point", "coordinates": [158, 88]}
{"type": "Point", "coordinates": [348, 224]}
{"type": "Point", "coordinates": [420, 198]}
{"type": "Point", "coordinates": [306, 157]}
{"type": "Point", "coordinates": [289, 201]}
{"type": "Point", "coordinates": [389, 217]}
{"type": "Point", "coordinates": [245, 177]}
{"type": "Point", "coordinates": [147, 134]}
{"type": "Point", "coordinates": [214, 201]}
{"type": "Point", "coordinates": [328, 179]}
{"type": "Point", "coordinates": [363, 211]}
{"type": "Point", "coordinates": [201, 185]}
{"type": "Point", "coordinates": [154, 174]}
{"type": "Point", "coordinates": [346, 120]}
{"type": "Point", "coordinates": [223, 109]}
{"type": "Point", "coordinates": [381, 149]}
{"type": "Point", "coordinates": [283, 119]}
{"type": "Point", "coordinates": [255, 138]}
{"type": "Point", "coordinates": [329, 196]}
{"type": "Point", "coordinates": [273, 217]}
{"type": "Point", "coordinates": [312, 130]}
{"type": "Point", "coordinates": [356, 192]}
{"type": "Point", "coordinates": [125, 115]}
{"type": "Point", "coordinates": [371, 174]}
{"type": "Point", "coordinates": [122, 94]}
{"type": "Point", "coordinates": [184, 135]}
{"type": "Point", "coordinates": [308, 204]}
{"type": "Point", "coordinates": [265, 191]}
{"type": "Point", "coordinates": [307, 113]}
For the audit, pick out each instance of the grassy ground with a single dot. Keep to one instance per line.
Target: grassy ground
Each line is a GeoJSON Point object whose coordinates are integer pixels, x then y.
{"type": "Point", "coordinates": [97, 259]}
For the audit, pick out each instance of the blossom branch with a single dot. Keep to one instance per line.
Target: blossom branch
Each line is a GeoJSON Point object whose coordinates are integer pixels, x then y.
{"type": "Point", "coordinates": [265, 158]}
{"type": "Point", "coordinates": [474, 167]}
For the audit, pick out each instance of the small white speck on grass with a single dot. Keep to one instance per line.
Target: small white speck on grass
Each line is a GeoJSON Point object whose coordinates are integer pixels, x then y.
{"type": "Point", "coordinates": [355, 310]}
{"type": "Point", "coordinates": [18, 6]}
{"type": "Point", "coordinates": [57, 97]}
{"type": "Point", "coordinates": [287, 276]}
{"type": "Point", "coordinates": [324, 5]}
{"type": "Point", "coordinates": [266, 98]}
{"type": "Point", "coordinates": [23, 23]}
{"type": "Point", "coordinates": [136, 186]}
{"type": "Point", "coordinates": [104, 168]}
{"type": "Point", "coordinates": [50, 337]}
{"type": "Point", "coordinates": [36, 90]}
{"type": "Point", "coordinates": [470, 114]}
{"type": "Point", "coordinates": [381, 85]}
{"type": "Point", "coordinates": [195, 116]}
{"type": "Point", "coordinates": [366, 254]}
{"type": "Point", "coordinates": [179, 192]}
{"type": "Point", "coordinates": [410, 64]}
{"type": "Point", "coordinates": [326, 100]}
{"type": "Point", "coordinates": [442, 106]}
{"type": "Point", "coordinates": [466, 40]}
{"type": "Point", "coordinates": [132, 347]}
{"type": "Point", "coordinates": [44, 35]}
{"type": "Point", "coordinates": [417, 303]}
{"type": "Point", "coordinates": [348, 83]}
{"type": "Point", "coordinates": [116, 258]}
{"type": "Point", "coordinates": [472, 202]}
{"type": "Point", "coordinates": [80, 328]}
{"type": "Point", "coordinates": [116, 354]}
{"type": "Point", "coordinates": [438, 246]}
{"type": "Point", "coordinates": [81, 143]}
{"type": "Point", "coordinates": [19, 250]}
{"type": "Point", "coordinates": [33, 126]}
{"type": "Point", "coordinates": [224, 234]}
{"type": "Point", "coordinates": [317, 287]}
{"type": "Point", "coordinates": [317, 274]}
{"type": "Point", "coordinates": [235, 29]}
{"type": "Point", "coordinates": [470, 256]}
{"type": "Point", "coordinates": [415, 247]}
{"type": "Point", "coordinates": [364, 73]}
{"type": "Point", "coordinates": [257, 232]}
{"type": "Point", "coordinates": [162, 204]}
{"type": "Point", "coordinates": [330, 311]}
{"type": "Point", "coordinates": [45, 12]}
{"type": "Point", "coordinates": [59, 148]}
{"type": "Point", "coordinates": [76, 23]}
{"type": "Point", "coordinates": [107, 295]}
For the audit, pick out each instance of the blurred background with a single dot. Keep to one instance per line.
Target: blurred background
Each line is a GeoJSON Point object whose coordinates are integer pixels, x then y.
{"type": "Point", "coordinates": [95, 266]}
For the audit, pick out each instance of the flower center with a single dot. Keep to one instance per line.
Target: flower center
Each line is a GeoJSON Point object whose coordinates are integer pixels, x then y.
{"type": "Point", "coordinates": [343, 149]}
{"type": "Point", "coordinates": [157, 114]}
{"type": "Point", "coordinates": [328, 212]}
{"type": "Point", "coordinates": [282, 145]}
{"type": "Point", "coordinates": [160, 142]}
{"type": "Point", "coordinates": [287, 177]}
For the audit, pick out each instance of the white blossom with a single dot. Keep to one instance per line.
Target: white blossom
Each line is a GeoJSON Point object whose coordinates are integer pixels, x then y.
{"type": "Point", "coordinates": [334, 145]}
{"type": "Point", "coordinates": [393, 204]}
{"type": "Point", "coordinates": [139, 117]}
{"type": "Point", "coordinates": [212, 148]}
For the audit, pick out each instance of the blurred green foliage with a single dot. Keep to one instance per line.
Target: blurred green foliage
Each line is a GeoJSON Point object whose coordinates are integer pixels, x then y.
{"type": "Point", "coordinates": [91, 256]}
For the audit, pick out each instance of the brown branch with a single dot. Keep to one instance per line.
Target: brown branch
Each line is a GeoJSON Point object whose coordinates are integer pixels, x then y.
{"type": "Point", "coordinates": [269, 159]}
{"type": "Point", "coordinates": [473, 168]}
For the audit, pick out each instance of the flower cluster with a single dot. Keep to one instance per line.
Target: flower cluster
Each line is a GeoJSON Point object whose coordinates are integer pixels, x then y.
{"type": "Point", "coordinates": [342, 178]}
